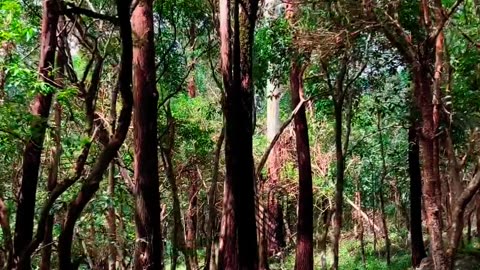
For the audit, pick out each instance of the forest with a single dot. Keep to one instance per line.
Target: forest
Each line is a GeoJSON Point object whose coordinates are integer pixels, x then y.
{"type": "Point", "coordinates": [240, 134]}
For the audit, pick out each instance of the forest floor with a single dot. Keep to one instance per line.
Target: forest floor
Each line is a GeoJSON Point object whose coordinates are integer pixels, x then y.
{"type": "Point", "coordinates": [375, 258]}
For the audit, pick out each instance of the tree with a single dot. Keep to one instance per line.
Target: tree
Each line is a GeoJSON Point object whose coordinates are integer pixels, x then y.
{"type": "Point", "coordinates": [92, 181]}
{"type": "Point", "coordinates": [238, 222]}
{"type": "Point", "coordinates": [148, 253]}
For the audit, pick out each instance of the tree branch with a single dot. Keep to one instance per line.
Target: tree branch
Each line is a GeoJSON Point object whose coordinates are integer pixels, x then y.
{"type": "Point", "coordinates": [264, 158]}
{"type": "Point", "coordinates": [70, 8]}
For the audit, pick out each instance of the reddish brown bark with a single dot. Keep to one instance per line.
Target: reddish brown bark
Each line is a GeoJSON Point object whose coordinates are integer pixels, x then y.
{"type": "Point", "coordinates": [148, 252]}
{"type": "Point", "coordinates": [191, 222]}
{"type": "Point", "coordinates": [304, 251]}
{"type": "Point", "coordinates": [430, 177]}
{"type": "Point", "coordinates": [40, 109]}
{"type": "Point", "coordinates": [92, 182]}
{"type": "Point", "coordinates": [239, 193]}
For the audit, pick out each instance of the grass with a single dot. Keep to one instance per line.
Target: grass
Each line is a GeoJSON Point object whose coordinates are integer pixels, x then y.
{"type": "Point", "coordinates": [351, 258]}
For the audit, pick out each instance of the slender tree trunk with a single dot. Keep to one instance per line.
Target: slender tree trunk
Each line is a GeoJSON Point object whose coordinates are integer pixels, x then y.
{"type": "Point", "coordinates": [239, 248]}
{"type": "Point", "coordinates": [148, 252]}
{"type": "Point", "coordinates": [45, 263]}
{"type": "Point", "coordinates": [382, 183]}
{"type": "Point", "coordinates": [357, 216]}
{"type": "Point", "coordinates": [178, 236]}
{"type": "Point", "coordinates": [416, 234]}
{"type": "Point", "coordinates": [340, 161]}
{"type": "Point", "coordinates": [326, 218]}
{"type": "Point", "coordinates": [304, 252]}
{"type": "Point", "coordinates": [6, 235]}
{"type": "Point", "coordinates": [191, 223]}
{"type": "Point", "coordinates": [469, 227]}
{"type": "Point", "coordinates": [111, 218]}
{"type": "Point", "coordinates": [459, 212]}
{"type": "Point", "coordinates": [40, 109]}
{"type": "Point", "coordinates": [212, 198]}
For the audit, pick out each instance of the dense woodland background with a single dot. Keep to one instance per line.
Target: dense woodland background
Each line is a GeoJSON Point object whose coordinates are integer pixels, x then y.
{"type": "Point", "coordinates": [239, 134]}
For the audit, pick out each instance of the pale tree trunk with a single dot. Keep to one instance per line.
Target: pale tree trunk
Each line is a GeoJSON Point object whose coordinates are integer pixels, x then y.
{"type": "Point", "coordinates": [272, 243]}
{"type": "Point", "coordinates": [272, 236]}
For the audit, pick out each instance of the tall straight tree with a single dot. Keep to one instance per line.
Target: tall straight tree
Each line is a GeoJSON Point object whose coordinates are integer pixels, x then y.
{"type": "Point", "coordinates": [304, 253]}
{"type": "Point", "coordinates": [40, 109]}
{"type": "Point", "coordinates": [238, 248]}
{"type": "Point", "coordinates": [304, 249]}
{"type": "Point", "coordinates": [148, 252]}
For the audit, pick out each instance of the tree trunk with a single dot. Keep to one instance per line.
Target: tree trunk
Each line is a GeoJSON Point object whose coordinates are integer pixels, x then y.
{"type": "Point", "coordinates": [45, 263]}
{"type": "Point", "coordinates": [148, 252]}
{"type": "Point", "coordinates": [239, 249]}
{"type": "Point", "coordinates": [458, 214]}
{"type": "Point", "coordinates": [304, 252]}
{"type": "Point", "coordinates": [40, 109]}
{"type": "Point", "coordinates": [326, 218]}
{"type": "Point", "coordinates": [416, 234]}
{"type": "Point", "coordinates": [212, 198]}
{"type": "Point", "coordinates": [178, 236]}
{"type": "Point", "coordinates": [274, 217]}
{"type": "Point", "coordinates": [340, 172]}
{"type": "Point", "coordinates": [430, 175]}
{"type": "Point", "coordinates": [111, 218]}
{"type": "Point", "coordinates": [382, 183]}
{"type": "Point", "coordinates": [191, 223]}
{"type": "Point", "coordinates": [6, 235]}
